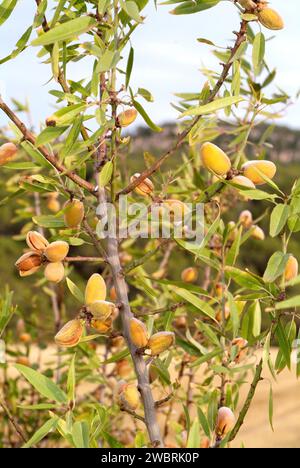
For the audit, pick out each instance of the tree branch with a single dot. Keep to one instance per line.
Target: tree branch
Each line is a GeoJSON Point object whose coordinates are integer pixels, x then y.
{"type": "Point", "coordinates": [241, 36]}
{"type": "Point", "coordinates": [257, 378]}
{"type": "Point", "coordinates": [28, 136]}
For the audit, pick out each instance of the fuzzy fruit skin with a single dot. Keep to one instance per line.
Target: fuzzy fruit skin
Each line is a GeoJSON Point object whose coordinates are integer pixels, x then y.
{"type": "Point", "coordinates": [258, 233]}
{"type": "Point", "coordinates": [101, 310]}
{"type": "Point", "coordinates": [214, 159]}
{"type": "Point", "coordinates": [243, 182]}
{"type": "Point", "coordinates": [36, 241]}
{"type": "Point", "coordinates": [129, 397]}
{"type": "Point", "coordinates": [25, 338]}
{"type": "Point", "coordinates": [73, 213]}
{"type": "Point", "coordinates": [126, 118]}
{"type": "Point", "coordinates": [291, 269]}
{"type": "Point", "coordinates": [250, 170]}
{"type": "Point", "coordinates": [70, 334]}
{"type": "Point", "coordinates": [55, 272]}
{"type": "Point", "coordinates": [138, 333]}
{"type": "Point", "coordinates": [144, 188]}
{"type": "Point", "coordinates": [102, 326]}
{"type": "Point", "coordinates": [29, 263]}
{"type": "Point", "coordinates": [225, 421]}
{"type": "Point", "coordinates": [246, 219]}
{"type": "Point", "coordinates": [57, 251]}
{"type": "Point", "coordinates": [95, 289]}
{"type": "Point", "coordinates": [270, 19]}
{"type": "Point", "coordinates": [7, 153]}
{"type": "Point", "coordinates": [160, 342]}
{"type": "Point", "coordinates": [189, 275]}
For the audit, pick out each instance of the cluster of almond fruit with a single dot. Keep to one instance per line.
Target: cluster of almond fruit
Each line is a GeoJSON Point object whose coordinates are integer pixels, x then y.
{"type": "Point", "coordinates": [252, 173]}
{"type": "Point", "coordinates": [42, 253]}
{"type": "Point", "coordinates": [157, 343]}
{"type": "Point", "coordinates": [96, 312]}
{"type": "Point", "coordinates": [265, 15]}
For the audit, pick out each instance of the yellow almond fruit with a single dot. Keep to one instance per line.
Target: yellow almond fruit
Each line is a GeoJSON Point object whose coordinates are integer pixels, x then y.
{"type": "Point", "coordinates": [123, 368]}
{"type": "Point", "coordinates": [55, 272]}
{"type": "Point", "coordinates": [95, 289]}
{"type": "Point", "coordinates": [23, 360]}
{"type": "Point", "coordinates": [53, 204]}
{"type": "Point", "coordinates": [225, 422]}
{"type": "Point", "coordinates": [73, 213]}
{"type": "Point", "coordinates": [57, 251]}
{"type": "Point", "coordinates": [29, 263]}
{"type": "Point", "coordinates": [125, 258]}
{"type": "Point", "coordinates": [36, 241]}
{"type": "Point", "coordinates": [257, 233]}
{"type": "Point", "coordinates": [102, 326]}
{"type": "Point", "coordinates": [130, 397]}
{"type": "Point", "coordinates": [232, 231]}
{"type": "Point", "coordinates": [175, 208]}
{"type": "Point", "coordinates": [189, 275]}
{"type": "Point", "coordinates": [138, 333]}
{"type": "Point", "coordinates": [70, 334]}
{"type": "Point", "coordinates": [219, 314]}
{"type": "Point", "coordinates": [205, 443]}
{"type": "Point", "coordinates": [126, 118]}
{"type": "Point", "coordinates": [144, 188]}
{"type": "Point", "coordinates": [118, 342]}
{"type": "Point", "coordinates": [242, 346]}
{"type": "Point", "coordinates": [214, 159]}
{"type": "Point", "coordinates": [25, 338]}
{"type": "Point", "coordinates": [270, 19]}
{"type": "Point", "coordinates": [243, 182]}
{"type": "Point", "coordinates": [254, 170]}
{"type": "Point", "coordinates": [246, 219]}
{"type": "Point", "coordinates": [7, 153]}
{"type": "Point", "coordinates": [220, 289]}
{"type": "Point", "coordinates": [291, 268]}
{"type": "Point", "coordinates": [160, 342]}
{"type": "Point", "coordinates": [101, 310]}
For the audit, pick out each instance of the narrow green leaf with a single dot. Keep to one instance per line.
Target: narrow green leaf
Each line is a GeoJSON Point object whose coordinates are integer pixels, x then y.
{"type": "Point", "coordinates": [42, 384]}
{"type": "Point", "coordinates": [49, 425]}
{"type": "Point", "coordinates": [66, 31]}
{"type": "Point", "coordinates": [279, 217]}
{"type": "Point", "coordinates": [214, 106]}
{"type": "Point", "coordinates": [194, 435]}
{"type": "Point", "coordinates": [75, 291]}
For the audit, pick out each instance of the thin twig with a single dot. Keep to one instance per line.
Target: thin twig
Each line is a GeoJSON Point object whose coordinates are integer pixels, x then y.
{"type": "Point", "coordinates": [28, 136]}
{"type": "Point", "coordinates": [240, 38]}
{"type": "Point", "coordinates": [14, 423]}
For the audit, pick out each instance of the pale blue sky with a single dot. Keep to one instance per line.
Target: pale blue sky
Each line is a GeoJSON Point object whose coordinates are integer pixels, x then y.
{"type": "Point", "coordinates": [167, 56]}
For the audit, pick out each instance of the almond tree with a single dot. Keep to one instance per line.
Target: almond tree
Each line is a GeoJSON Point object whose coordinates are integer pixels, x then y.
{"type": "Point", "coordinates": [209, 320]}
